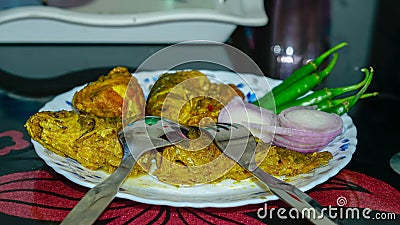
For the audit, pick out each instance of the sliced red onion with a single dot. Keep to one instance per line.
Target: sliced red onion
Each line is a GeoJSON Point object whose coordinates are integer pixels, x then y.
{"type": "Point", "coordinates": [299, 128]}
{"type": "Point", "coordinates": [306, 140]}
{"type": "Point", "coordinates": [244, 113]}
{"type": "Point", "coordinates": [308, 144]}
{"type": "Point", "coordinates": [299, 148]}
{"type": "Point", "coordinates": [324, 127]}
{"type": "Point", "coordinates": [289, 132]}
{"type": "Point", "coordinates": [239, 111]}
{"type": "Point", "coordinates": [307, 118]}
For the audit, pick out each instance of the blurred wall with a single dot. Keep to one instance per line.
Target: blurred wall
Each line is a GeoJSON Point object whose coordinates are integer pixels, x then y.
{"type": "Point", "coordinates": [385, 50]}
{"type": "Point", "coordinates": [352, 21]}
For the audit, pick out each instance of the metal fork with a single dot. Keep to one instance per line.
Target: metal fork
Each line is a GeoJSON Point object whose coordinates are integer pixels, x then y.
{"type": "Point", "coordinates": [237, 142]}
{"type": "Point", "coordinates": [136, 139]}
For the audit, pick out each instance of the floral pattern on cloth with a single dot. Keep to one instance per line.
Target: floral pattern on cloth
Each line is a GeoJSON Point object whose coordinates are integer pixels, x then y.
{"type": "Point", "coordinates": [17, 141]}
{"type": "Point", "coordinates": [43, 195]}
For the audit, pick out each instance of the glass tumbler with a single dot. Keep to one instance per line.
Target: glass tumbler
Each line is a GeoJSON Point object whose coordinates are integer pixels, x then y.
{"type": "Point", "coordinates": [299, 32]}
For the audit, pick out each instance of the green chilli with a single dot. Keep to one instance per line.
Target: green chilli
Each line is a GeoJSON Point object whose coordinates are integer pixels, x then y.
{"type": "Point", "coordinates": [298, 88]}
{"type": "Point", "coordinates": [321, 95]}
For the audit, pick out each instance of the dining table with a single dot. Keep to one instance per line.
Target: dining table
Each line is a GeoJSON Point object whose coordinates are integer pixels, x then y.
{"type": "Point", "coordinates": [365, 191]}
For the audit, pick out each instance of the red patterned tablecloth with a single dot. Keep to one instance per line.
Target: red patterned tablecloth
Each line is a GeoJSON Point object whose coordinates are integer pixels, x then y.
{"type": "Point", "coordinates": [44, 195]}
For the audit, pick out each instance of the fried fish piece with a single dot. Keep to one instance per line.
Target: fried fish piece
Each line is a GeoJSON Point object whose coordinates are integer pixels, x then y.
{"type": "Point", "coordinates": [90, 140]}
{"type": "Point", "coordinates": [281, 161]}
{"type": "Point", "coordinates": [105, 96]}
{"type": "Point", "coordinates": [188, 97]}
{"type": "Point", "coordinates": [188, 166]}
{"type": "Point", "coordinates": [90, 135]}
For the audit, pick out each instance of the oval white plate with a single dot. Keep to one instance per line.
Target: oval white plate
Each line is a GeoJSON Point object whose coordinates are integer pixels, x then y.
{"type": "Point", "coordinates": [147, 189]}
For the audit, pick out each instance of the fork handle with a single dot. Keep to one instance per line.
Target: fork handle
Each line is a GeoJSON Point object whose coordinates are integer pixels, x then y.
{"type": "Point", "coordinates": [96, 200]}
{"type": "Point", "coordinates": [294, 197]}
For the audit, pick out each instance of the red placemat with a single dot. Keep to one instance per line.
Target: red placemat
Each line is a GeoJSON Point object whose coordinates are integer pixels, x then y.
{"type": "Point", "coordinates": [43, 195]}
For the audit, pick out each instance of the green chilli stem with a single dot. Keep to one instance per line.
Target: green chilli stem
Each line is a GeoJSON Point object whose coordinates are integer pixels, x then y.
{"type": "Point", "coordinates": [326, 105]}
{"type": "Point", "coordinates": [345, 106]}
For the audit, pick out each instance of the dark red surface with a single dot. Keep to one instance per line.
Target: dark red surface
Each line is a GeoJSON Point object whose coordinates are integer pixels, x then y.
{"type": "Point", "coordinates": [43, 195]}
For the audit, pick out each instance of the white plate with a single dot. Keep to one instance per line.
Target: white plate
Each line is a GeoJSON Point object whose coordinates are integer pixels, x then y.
{"type": "Point", "coordinates": [146, 189]}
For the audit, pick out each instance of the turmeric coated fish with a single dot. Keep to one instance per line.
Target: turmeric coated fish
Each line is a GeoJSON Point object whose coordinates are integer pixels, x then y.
{"type": "Point", "coordinates": [89, 135]}
{"type": "Point", "coordinates": [90, 140]}
{"type": "Point", "coordinates": [105, 96]}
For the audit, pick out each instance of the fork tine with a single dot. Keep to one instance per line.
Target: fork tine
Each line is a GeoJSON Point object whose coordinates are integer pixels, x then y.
{"type": "Point", "coordinates": [227, 126]}
{"type": "Point", "coordinates": [224, 125]}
